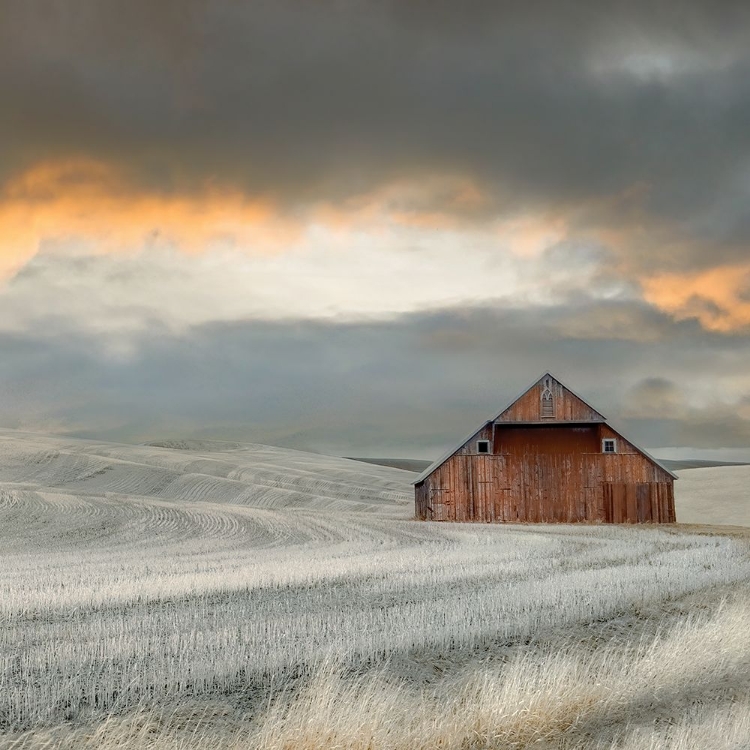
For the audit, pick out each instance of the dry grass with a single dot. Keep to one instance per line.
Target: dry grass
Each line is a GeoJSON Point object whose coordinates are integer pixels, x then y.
{"type": "Point", "coordinates": [683, 686]}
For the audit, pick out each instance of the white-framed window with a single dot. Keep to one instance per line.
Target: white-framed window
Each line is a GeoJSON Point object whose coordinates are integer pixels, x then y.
{"type": "Point", "coordinates": [609, 445]}
{"type": "Point", "coordinates": [483, 446]}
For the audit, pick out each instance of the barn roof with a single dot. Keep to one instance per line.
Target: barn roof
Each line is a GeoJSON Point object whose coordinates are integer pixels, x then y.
{"type": "Point", "coordinates": [440, 461]}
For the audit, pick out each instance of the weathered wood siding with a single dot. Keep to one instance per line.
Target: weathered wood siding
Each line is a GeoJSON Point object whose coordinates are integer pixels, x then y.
{"type": "Point", "coordinates": [549, 468]}
{"type": "Point", "coordinates": [547, 471]}
{"type": "Point", "coordinates": [566, 406]}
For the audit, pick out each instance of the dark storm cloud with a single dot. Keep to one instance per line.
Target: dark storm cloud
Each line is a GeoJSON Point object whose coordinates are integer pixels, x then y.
{"type": "Point", "coordinates": [542, 103]}
{"type": "Point", "coordinates": [408, 387]}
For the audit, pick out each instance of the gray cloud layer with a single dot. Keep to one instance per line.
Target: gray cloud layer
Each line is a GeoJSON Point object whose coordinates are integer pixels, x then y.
{"type": "Point", "coordinates": [408, 387]}
{"type": "Point", "coordinates": [544, 103]}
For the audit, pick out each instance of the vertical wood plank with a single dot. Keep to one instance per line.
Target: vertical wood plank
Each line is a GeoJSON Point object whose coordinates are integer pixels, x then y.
{"type": "Point", "coordinates": [631, 504]}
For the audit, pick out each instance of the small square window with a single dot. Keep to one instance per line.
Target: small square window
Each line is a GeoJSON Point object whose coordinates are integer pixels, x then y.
{"type": "Point", "coordinates": [609, 445]}
{"type": "Point", "coordinates": [483, 446]}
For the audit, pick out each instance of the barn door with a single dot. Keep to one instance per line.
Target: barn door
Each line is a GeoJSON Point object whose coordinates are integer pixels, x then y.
{"type": "Point", "coordinates": [643, 499]}
{"type": "Point", "coordinates": [614, 495]}
{"type": "Point", "coordinates": [439, 501]}
{"type": "Point", "coordinates": [620, 502]}
{"type": "Point", "coordinates": [489, 480]}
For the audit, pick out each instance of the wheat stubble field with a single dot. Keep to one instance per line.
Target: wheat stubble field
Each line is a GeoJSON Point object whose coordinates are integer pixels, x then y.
{"type": "Point", "coordinates": [241, 596]}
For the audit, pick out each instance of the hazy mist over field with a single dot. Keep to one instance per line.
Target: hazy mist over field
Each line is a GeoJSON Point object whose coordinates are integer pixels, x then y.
{"type": "Point", "coordinates": [362, 227]}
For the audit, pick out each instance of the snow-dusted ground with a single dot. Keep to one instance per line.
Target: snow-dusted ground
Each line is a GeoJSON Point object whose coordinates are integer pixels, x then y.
{"type": "Point", "coordinates": [256, 476]}
{"type": "Point", "coordinates": [143, 574]}
{"type": "Point", "coordinates": [716, 495]}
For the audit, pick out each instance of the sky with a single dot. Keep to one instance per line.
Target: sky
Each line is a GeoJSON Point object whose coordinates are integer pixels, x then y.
{"type": "Point", "coordinates": [361, 227]}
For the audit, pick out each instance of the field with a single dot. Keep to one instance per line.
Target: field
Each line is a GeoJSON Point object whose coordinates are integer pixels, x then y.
{"type": "Point", "coordinates": [240, 596]}
{"type": "Point", "coordinates": [718, 495]}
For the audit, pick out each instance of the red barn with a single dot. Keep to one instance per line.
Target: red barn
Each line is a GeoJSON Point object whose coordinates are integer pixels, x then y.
{"type": "Point", "coordinates": [547, 457]}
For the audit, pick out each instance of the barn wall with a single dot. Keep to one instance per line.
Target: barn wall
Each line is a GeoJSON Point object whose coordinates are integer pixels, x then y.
{"type": "Point", "coordinates": [456, 490]}
{"type": "Point", "coordinates": [567, 406]}
{"type": "Point", "coordinates": [547, 474]}
{"type": "Point", "coordinates": [421, 494]}
{"type": "Point", "coordinates": [467, 488]}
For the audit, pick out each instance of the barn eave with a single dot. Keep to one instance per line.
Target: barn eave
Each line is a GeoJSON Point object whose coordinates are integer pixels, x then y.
{"type": "Point", "coordinates": [440, 461]}
{"type": "Point", "coordinates": [643, 452]}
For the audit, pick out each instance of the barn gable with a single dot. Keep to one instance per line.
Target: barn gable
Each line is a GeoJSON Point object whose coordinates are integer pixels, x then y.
{"type": "Point", "coordinates": [547, 456]}
{"type": "Point", "coordinates": [548, 400]}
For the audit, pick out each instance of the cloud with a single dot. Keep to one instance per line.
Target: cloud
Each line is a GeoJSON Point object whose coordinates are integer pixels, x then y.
{"type": "Point", "coordinates": [654, 398]}
{"type": "Point", "coordinates": [718, 297]}
{"type": "Point", "coordinates": [327, 276]}
{"type": "Point", "coordinates": [255, 125]}
{"type": "Point", "coordinates": [412, 385]}
{"type": "Point", "coordinates": [88, 204]}
{"type": "Point", "coordinates": [540, 108]}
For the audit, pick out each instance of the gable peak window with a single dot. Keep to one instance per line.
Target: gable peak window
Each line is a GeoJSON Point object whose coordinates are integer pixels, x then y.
{"type": "Point", "coordinates": [609, 445]}
{"type": "Point", "coordinates": [547, 410]}
{"type": "Point", "coordinates": [483, 446]}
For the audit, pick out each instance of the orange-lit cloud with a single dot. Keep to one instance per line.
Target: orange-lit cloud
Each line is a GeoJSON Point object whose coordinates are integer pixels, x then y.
{"type": "Point", "coordinates": [93, 205]}
{"type": "Point", "coordinates": [716, 297]}
{"type": "Point", "coordinates": [91, 202]}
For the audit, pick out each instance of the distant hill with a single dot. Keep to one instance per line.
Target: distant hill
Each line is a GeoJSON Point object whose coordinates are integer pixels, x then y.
{"type": "Point", "coordinates": [418, 465]}
{"type": "Point", "coordinates": [694, 463]}
{"type": "Point", "coordinates": [205, 446]}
